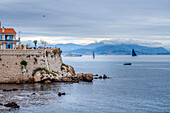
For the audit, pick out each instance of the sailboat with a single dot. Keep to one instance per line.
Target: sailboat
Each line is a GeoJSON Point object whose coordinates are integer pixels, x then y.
{"type": "Point", "coordinates": [93, 55]}
{"type": "Point", "coordinates": [133, 53]}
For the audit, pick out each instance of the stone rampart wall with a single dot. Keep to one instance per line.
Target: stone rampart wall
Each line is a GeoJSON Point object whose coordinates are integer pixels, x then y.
{"type": "Point", "coordinates": [11, 70]}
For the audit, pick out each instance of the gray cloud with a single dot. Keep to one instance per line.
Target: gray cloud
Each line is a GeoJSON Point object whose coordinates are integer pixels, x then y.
{"type": "Point", "coordinates": [89, 20]}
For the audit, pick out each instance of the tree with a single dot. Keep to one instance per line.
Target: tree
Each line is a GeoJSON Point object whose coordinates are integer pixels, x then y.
{"type": "Point", "coordinates": [35, 42]}
{"type": "Point", "coordinates": [44, 43]}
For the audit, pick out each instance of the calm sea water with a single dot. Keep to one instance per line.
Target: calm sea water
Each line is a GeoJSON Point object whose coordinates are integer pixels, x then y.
{"type": "Point", "coordinates": [143, 87]}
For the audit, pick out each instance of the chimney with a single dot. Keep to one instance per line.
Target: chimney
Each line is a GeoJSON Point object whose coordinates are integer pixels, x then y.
{"type": "Point", "coordinates": [2, 29]}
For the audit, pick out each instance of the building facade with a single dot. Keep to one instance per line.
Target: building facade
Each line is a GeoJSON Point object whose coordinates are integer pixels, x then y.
{"type": "Point", "coordinates": [8, 38]}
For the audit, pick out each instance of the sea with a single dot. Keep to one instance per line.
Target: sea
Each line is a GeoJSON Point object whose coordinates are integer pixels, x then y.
{"type": "Point", "coordinates": [143, 87]}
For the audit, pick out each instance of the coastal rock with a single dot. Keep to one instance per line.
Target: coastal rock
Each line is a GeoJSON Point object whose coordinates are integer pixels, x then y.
{"type": "Point", "coordinates": [1, 104]}
{"type": "Point", "coordinates": [6, 90]}
{"type": "Point", "coordinates": [12, 105]}
{"type": "Point", "coordinates": [96, 75]}
{"type": "Point", "coordinates": [100, 77]}
{"type": "Point", "coordinates": [104, 76]}
{"type": "Point", "coordinates": [88, 77]}
{"type": "Point", "coordinates": [47, 81]}
{"type": "Point", "coordinates": [59, 93]}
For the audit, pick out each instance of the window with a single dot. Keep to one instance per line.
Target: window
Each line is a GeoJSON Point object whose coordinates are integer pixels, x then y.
{"type": "Point", "coordinates": [8, 37]}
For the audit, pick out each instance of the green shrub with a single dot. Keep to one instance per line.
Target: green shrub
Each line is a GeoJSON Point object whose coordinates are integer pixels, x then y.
{"type": "Point", "coordinates": [40, 69]}
{"type": "Point", "coordinates": [23, 62]}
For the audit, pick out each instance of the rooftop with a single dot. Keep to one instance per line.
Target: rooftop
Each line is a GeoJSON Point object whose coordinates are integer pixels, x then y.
{"type": "Point", "coordinates": [7, 30]}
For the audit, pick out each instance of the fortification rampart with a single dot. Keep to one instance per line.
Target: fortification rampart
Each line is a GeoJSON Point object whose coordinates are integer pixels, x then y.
{"type": "Point", "coordinates": [12, 71]}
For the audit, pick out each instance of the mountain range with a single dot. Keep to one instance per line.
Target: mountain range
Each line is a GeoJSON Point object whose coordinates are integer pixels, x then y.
{"type": "Point", "coordinates": [119, 49]}
{"type": "Point", "coordinates": [108, 49]}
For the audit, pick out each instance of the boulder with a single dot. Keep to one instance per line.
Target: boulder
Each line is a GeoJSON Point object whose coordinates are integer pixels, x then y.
{"type": "Point", "coordinates": [104, 76]}
{"type": "Point", "coordinates": [12, 105]}
{"type": "Point", "coordinates": [47, 81]}
{"type": "Point", "coordinates": [96, 75]}
{"type": "Point", "coordinates": [87, 77]}
{"type": "Point", "coordinates": [100, 77]}
{"type": "Point", "coordinates": [59, 93]}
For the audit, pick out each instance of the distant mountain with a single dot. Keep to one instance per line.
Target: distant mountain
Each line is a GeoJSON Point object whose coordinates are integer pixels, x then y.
{"type": "Point", "coordinates": [126, 49]}
{"type": "Point", "coordinates": [102, 48]}
{"type": "Point", "coordinates": [122, 49]}
{"type": "Point", "coordinates": [66, 47]}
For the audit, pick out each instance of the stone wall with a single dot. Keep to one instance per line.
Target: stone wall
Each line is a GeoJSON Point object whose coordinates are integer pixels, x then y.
{"type": "Point", "coordinates": [11, 70]}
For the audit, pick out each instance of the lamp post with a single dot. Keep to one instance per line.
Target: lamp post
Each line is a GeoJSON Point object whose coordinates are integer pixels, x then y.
{"type": "Point", "coordinates": [19, 37]}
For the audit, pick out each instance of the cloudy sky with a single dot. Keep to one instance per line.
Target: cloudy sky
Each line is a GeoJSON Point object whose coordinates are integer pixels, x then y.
{"type": "Point", "coordinates": [87, 21]}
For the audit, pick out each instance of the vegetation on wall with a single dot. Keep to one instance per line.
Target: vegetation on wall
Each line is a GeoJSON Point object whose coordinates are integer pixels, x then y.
{"type": "Point", "coordinates": [43, 69]}
{"type": "Point", "coordinates": [63, 65]}
{"type": "Point", "coordinates": [23, 62]}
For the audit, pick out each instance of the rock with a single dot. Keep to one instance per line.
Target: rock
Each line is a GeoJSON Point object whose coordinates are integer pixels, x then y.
{"type": "Point", "coordinates": [12, 105]}
{"type": "Point", "coordinates": [104, 76]}
{"type": "Point", "coordinates": [5, 90]}
{"type": "Point", "coordinates": [96, 75]}
{"type": "Point", "coordinates": [59, 93]}
{"type": "Point", "coordinates": [1, 104]}
{"type": "Point", "coordinates": [96, 78]}
{"type": "Point", "coordinates": [14, 89]}
{"type": "Point", "coordinates": [63, 93]}
{"type": "Point", "coordinates": [33, 93]}
{"type": "Point", "coordinates": [47, 81]}
{"type": "Point", "coordinates": [87, 77]}
{"type": "Point", "coordinates": [100, 77]}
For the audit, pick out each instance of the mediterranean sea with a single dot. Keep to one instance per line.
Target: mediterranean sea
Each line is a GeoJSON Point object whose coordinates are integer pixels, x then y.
{"type": "Point", "coordinates": [143, 87]}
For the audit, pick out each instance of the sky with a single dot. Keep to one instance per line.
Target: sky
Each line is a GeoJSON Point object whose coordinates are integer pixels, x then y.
{"type": "Point", "coordinates": [144, 22]}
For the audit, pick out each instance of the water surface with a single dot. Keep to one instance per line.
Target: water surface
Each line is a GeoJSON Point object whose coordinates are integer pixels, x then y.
{"type": "Point", "coordinates": [143, 87]}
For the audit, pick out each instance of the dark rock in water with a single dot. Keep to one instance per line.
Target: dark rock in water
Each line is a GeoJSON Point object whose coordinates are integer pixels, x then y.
{"type": "Point", "coordinates": [1, 104]}
{"type": "Point", "coordinates": [104, 76]}
{"type": "Point", "coordinates": [100, 77]}
{"type": "Point", "coordinates": [96, 78]}
{"type": "Point", "coordinates": [33, 93]}
{"type": "Point", "coordinates": [59, 93]}
{"type": "Point", "coordinates": [96, 75]}
{"type": "Point", "coordinates": [12, 105]}
{"type": "Point", "coordinates": [14, 89]}
{"type": "Point", "coordinates": [5, 90]}
{"type": "Point", "coordinates": [63, 93]}
{"type": "Point", "coordinates": [127, 64]}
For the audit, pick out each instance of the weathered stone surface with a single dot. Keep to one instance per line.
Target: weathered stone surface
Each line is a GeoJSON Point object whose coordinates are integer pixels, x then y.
{"type": "Point", "coordinates": [12, 71]}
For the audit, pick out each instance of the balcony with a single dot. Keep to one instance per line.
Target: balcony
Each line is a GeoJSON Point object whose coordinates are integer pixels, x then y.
{"type": "Point", "coordinates": [9, 40]}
